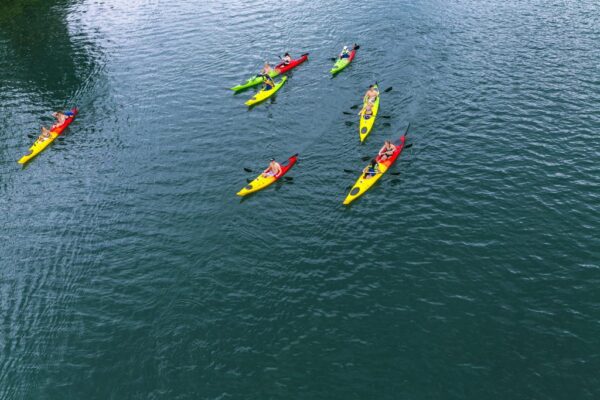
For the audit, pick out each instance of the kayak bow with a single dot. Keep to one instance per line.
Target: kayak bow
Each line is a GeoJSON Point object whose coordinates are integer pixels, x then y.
{"type": "Point", "coordinates": [262, 182]}
{"type": "Point", "coordinates": [366, 123]}
{"type": "Point", "coordinates": [278, 70]}
{"type": "Point", "coordinates": [263, 94]}
{"type": "Point", "coordinates": [40, 144]}
{"type": "Point", "coordinates": [363, 184]}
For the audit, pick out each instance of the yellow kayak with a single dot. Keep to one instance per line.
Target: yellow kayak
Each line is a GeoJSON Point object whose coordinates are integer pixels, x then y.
{"type": "Point", "coordinates": [365, 181]}
{"type": "Point", "coordinates": [265, 94]}
{"type": "Point", "coordinates": [366, 123]}
{"type": "Point", "coordinates": [41, 143]}
{"type": "Point", "coordinates": [262, 182]}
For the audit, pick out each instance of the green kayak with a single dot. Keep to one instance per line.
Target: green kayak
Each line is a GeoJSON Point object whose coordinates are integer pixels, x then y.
{"type": "Point", "coordinates": [342, 63]}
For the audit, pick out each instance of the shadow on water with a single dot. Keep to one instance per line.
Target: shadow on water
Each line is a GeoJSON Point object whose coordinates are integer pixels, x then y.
{"type": "Point", "coordinates": [42, 56]}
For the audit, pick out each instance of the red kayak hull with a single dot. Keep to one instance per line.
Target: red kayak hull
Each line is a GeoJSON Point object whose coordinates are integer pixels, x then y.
{"type": "Point", "coordinates": [293, 64]}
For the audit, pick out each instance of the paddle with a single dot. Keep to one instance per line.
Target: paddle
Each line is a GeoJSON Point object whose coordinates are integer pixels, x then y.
{"type": "Point", "coordinates": [387, 124]}
{"type": "Point", "coordinates": [247, 169]}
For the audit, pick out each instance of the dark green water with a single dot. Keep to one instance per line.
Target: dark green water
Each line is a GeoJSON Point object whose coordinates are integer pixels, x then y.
{"type": "Point", "coordinates": [130, 270]}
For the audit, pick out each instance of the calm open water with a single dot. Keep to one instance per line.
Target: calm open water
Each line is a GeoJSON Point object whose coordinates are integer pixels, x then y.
{"type": "Point", "coordinates": [130, 270]}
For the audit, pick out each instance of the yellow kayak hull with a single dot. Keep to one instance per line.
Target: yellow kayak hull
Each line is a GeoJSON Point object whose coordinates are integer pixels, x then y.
{"type": "Point", "coordinates": [38, 146]}
{"type": "Point", "coordinates": [41, 143]}
{"type": "Point", "coordinates": [263, 95]}
{"type": "Point", "coordinates": [262, 182]}
{"type": "Point", "coordinates": [366, 124]}
{"type": "Point", "coordinates": [363, 184]}
{"type": "Point", "coordinates": [259, 183]}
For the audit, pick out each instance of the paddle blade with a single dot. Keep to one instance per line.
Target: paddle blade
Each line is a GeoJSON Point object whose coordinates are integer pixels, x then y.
{"type": "Point", "coordinates": [366, 158]}
{"type": "Point", "coordinates": [388, 89]}
{"type": "Point", "coordinates": [347, 113]}
{"type": "Point", "coordinates": [386, 116]}
{"type": "Point", "coordinates": [349, 123]}
{"type": "Point", "coordinates": [288, 178]}
{"type": "Point", "coordinates": [387, 124]}
{"type": "Point", "coordinates": [354, 107]}
{"type": "Point", "coordinates": [247, 169]}
{"type": "Point", "coordinates": [408, 146]}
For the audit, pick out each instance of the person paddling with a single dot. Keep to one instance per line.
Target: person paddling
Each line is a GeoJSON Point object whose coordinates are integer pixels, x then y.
{"type": "Point", "coordinates": [45, 134]}
{"type": "Point", "coordinates": [372, 169]}
{"type": "Point", "coordinates": [286, 59]}
{"type": "Point", "coordinates": [372, 94]}
{"type": "Point", "coordinates": [386, 151]}
{"type": "Point", "coordinates": [265, 70]}
{"type": "Point", "coordinates": [367, 111]}
{"type": "Point", "coordinates": [61, 118]}
{"type": "Point", "coordinates": [268, 82]}
{"type": "Point", "coordinates": [273, 169]}
{"type": "Point", "coordinates": [345, 53]}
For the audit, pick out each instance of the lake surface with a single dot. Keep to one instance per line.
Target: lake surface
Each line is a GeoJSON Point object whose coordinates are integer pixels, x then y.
{"type": "Point", "coordinates": [129, 269]}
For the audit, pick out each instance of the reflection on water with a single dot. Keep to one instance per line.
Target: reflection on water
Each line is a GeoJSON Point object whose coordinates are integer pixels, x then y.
{"type": "Point", "coordinates": [43, 56]}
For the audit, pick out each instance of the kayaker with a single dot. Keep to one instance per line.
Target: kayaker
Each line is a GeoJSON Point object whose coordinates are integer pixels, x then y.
{"type": "Point", "coordinates": [269, 83]}
{"type": "Point", "coordinates": [386, 151]}
{"type": "Point", "coordinates": [372, 94]}
{"type": "Point", "coordinates": [345, 53]}
{"type": "Point", "coordinates": [367, 111]}
{"type": "Point", "coordinates": [273, 169]}
{"type": "Point", "coordinates": [61, 117]}
{"type": "Point", "coordinates": [45, 134]}
{"type": "Point", "coordinates": [266, 69]}
{"type": "Point", "coordinates": [371, 169]}
{"type": "Point", "coordinates": [286, 59]}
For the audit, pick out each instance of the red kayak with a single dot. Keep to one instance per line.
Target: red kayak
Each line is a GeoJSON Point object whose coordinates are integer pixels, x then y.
{"type": "Point", "coordinates": [281, 68]}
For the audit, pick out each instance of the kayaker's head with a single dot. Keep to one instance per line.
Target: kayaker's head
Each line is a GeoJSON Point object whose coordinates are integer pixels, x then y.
{"type": "Point", "coordinates": [373, 163]}
{"type": "Point", "coordinates": [286, 55]}
{"type": "Point", "coordinates": [387, 143]}
{"type": "Point", "coordinates": [345, 48]}
{"type": "Point", "coordinates": [55, 114]}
